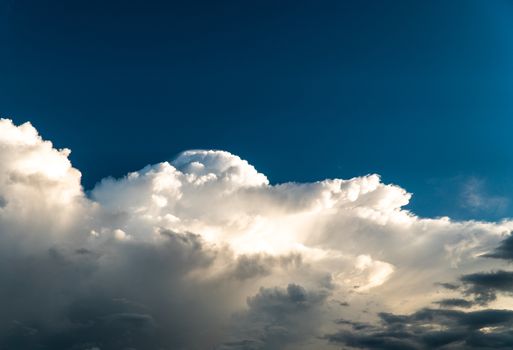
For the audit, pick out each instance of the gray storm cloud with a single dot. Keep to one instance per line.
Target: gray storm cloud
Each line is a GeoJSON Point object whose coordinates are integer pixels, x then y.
{"type": "Point", "coordinates": [203, 252]}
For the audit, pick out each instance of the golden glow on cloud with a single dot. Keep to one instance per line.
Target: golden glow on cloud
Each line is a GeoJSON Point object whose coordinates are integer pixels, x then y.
{"type": "Point", "coordinates": [343, 239]}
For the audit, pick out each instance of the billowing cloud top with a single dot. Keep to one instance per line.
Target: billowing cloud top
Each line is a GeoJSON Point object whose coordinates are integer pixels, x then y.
{"type": "Point", "coordinates": [203, 252]}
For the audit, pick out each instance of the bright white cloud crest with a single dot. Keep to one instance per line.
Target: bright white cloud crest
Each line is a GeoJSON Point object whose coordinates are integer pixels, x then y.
{"type": "Point", "coordinates": [250, 264]}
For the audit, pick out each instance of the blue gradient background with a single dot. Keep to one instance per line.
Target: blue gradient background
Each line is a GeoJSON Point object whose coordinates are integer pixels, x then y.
{"type": "Point", "coordinates": [417, 91]}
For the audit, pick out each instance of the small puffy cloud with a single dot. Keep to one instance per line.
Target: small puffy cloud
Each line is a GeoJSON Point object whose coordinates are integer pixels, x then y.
{"type": "Point", "coordinates": [204, 252]}
{"type": "Point", "coordinates": [205, 166]}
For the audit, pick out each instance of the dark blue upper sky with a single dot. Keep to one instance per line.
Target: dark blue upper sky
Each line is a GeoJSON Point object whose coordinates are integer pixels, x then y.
{"type": "Point", "coordinates": [417, 91]}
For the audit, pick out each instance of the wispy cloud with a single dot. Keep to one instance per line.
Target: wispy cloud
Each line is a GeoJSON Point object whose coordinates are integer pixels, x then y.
{"type": "Point", "coordinates": [475, 196]}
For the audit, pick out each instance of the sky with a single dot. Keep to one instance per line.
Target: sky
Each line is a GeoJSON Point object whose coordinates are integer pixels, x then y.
{"type": "Point", "coordinates": [256, 175]}
{"type": "Point", "coordinates": [416, 91]}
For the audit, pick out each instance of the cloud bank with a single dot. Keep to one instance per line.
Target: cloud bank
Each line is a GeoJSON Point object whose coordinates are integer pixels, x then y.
{"type": "Point", "coordinates": [204, 253]}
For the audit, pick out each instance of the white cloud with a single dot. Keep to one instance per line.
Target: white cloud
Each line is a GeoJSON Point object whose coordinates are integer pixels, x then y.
{"type": "Point", "coordinates": [203, 245]}
{"type": "Point", "coordinates": [475, 197]}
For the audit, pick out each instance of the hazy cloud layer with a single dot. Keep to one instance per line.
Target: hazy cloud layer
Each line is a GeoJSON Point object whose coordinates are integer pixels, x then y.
{"type": "Point", "coordinates": [203, 252]}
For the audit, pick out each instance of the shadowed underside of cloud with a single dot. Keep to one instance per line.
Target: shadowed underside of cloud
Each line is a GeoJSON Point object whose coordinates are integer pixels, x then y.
{"type": "Point", "coordinates": [433, 329]}
{"type": "Point", "coordinates": [203, 252]}
{"type": "Point", "coordinates": [503, 251]}
{"type": "Point", "coordinates": [454, 302]}
{"type": "Point", "coordinates": [485, 285]}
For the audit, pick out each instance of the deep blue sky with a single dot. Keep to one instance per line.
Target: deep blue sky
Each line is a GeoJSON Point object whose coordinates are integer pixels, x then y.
{"type": "Point", "coordinates": [417, 91]}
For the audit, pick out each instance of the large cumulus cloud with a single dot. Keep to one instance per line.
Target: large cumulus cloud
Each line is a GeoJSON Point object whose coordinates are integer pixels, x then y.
{"type": "Point", "coordinates": [203, 252]}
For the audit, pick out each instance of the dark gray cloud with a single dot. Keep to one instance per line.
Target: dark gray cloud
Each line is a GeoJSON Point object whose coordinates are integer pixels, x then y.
{"type": "Point", "coordinates": [504, 250]}
{"type": "Point", "coordinates": [450, 286]}
{"type": "Point", "coordinates": [248, 266]}
{"type": "Point", "coordinates": [443, 328]}
{"type": "Point", "coordinates": [432, 329]}
{"type": "Point", "coordinates": [279, 317]}
{"type": "Point", "coordinates": [484, 286]}
{"type": "Point", "coordinates": [132, 295]}
{"type": "Point", "coordinates": [454, 302]}
{"type": "Point", "coordinates": [113, 296]}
